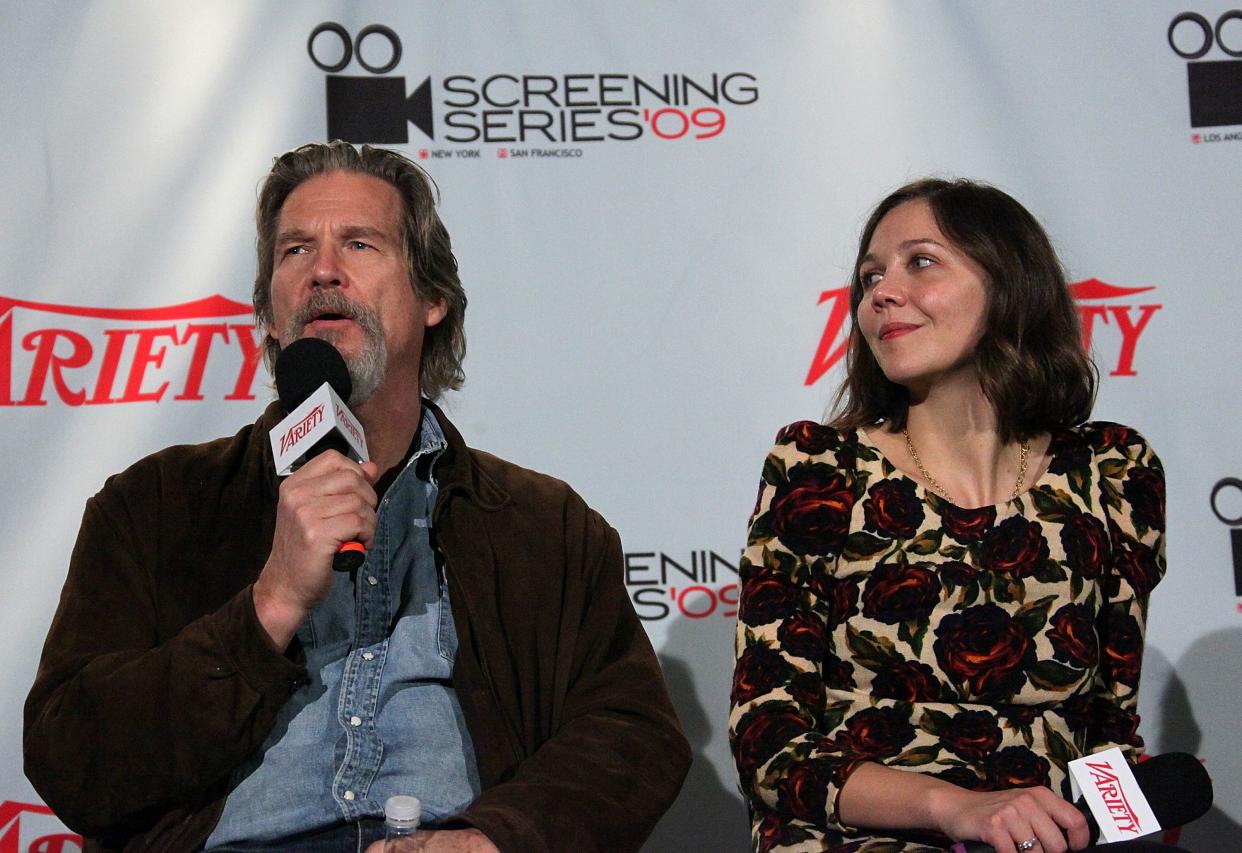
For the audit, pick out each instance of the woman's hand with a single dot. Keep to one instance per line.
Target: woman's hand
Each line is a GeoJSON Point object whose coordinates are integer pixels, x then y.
{"type": "Point", "coordinates": [878, 797]}
{"type": "Point", "coordinates": [1005, 819]}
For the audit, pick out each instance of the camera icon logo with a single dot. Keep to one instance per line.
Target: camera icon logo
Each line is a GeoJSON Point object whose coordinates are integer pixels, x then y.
{"type": "Point", "coordinates": [368, 109]}
{"type": "Point", "coordinates": [1231, 517]}
{"type": "Point", "coordinates": [1215, 86]}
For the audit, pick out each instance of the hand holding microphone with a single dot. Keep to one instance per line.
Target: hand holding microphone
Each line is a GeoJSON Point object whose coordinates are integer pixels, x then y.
{"type": "Point", "coordinates": [1174, 785]}
{"type": "Point", "coordinates": [313, 383]}
{"type": "Point", "coordinates": [1006, 818]}
{"type": "Point", "coordinates": [326, 510]}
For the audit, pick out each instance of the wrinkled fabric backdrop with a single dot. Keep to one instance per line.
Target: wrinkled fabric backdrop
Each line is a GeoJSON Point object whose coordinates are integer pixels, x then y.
{"type": "Point", "coordinates": [655, 207]}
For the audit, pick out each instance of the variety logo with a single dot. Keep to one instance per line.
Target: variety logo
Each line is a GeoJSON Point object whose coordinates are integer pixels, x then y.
{"type": "Point", "coordinates": [1214, 86]}
{"type": "Point", "coordinates": [95, 356]}
{"type": "Point", "coordinates": [298, 431]}
{"type": "Point", "coordinates": [501, 107]}
{"type": "Point", "coordinates": [699, 586]}
{"type": "Point", "coordinates": [1099, 304]}
{"type": "Point", "coordinates": [30, 828]}
{"type": "Point", "coordinates": [346, 420]}
{"type": "Point", "coordinates": [1230, 489]}
{"type": "Point", "coordinates": [1109, 785]}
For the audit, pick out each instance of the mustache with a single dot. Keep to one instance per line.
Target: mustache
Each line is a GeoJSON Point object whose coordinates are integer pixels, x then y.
{"type": "Point", "coordinates": [334, 302]}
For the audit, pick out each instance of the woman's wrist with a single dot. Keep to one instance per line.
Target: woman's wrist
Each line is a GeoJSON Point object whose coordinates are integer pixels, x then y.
{"type": "Point", "coordinates": [879, 797]}
{"type": "Point", "coordinates": [943, 801]}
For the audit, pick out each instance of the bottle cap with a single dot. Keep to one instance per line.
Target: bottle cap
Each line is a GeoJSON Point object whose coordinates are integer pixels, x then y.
{"type": "Point", "coordinates": [403, 808]}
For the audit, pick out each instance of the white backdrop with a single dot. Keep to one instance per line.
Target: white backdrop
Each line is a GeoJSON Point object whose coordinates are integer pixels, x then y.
{"type": "Point", "coordinates": [645, 307]}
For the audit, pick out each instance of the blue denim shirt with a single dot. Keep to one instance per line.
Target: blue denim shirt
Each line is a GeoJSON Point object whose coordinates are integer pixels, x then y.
{"type": "Point", "coordinates": [378, 715]}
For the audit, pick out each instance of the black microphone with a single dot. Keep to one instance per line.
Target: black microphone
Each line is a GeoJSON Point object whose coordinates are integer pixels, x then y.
{"type": "Point", "coordinates": [1176, 786]}
{"type": "Point", "coordinates": [301, 369]}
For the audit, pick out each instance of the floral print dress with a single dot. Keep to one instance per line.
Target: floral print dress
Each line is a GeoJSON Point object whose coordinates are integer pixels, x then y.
{"type": "Point", "coordinates": [988, 647]}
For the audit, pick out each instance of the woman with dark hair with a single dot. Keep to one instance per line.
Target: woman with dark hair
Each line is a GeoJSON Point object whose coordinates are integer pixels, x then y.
{"type": "Point", "coordinates": [944, 590]}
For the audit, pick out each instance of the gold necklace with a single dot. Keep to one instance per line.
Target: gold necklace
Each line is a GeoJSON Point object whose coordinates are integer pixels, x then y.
{"type": "Point", "coordinates": [1025, 450]}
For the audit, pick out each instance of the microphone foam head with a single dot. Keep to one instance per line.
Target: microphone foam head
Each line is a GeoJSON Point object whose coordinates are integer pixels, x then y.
{"type": "Point", "coordinates": [1177, 787]}
{"type": "Point", "coordinates": [306, 364]}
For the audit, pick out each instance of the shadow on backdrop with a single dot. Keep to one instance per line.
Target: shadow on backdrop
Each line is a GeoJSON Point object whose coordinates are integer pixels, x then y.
{"type": "Point", "coordinates": [1199, 714]}
{"type": "Point", "coordinates": [709, 814]}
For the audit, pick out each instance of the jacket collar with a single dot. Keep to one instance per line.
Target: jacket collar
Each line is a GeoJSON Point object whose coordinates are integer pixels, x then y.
{"type": "Point", "coordinates": [261, 444]}
{"type": "Point", "coordinates": [457, 469]}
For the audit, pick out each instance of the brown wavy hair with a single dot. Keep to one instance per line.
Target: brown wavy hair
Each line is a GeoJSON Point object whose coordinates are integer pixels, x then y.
{"type": "Point", "coordinates": [428, 250]}
{"type": "Point", "coordinates": [1030, 362]}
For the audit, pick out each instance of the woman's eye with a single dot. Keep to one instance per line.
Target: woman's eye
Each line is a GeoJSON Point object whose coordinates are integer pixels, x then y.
{"type": "Point", "coordinates": [295, 250]}
{"type": "Point", "coordinates": [921, 261]}
{"type": "Point", "coordinates": [869, 279]}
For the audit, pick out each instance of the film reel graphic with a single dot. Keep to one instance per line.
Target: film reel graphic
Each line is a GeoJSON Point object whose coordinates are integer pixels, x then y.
{"type": "Point", "coordinates": [1210, 35]}
{"type": "Point", "coordinates": [1234, 523]}
{"type": "Point", "coordinates": [1214, 86]}
{"type": "Point", "coordinates": [373, 109]}
{"type": "Point", "coordinates": [353, 47]}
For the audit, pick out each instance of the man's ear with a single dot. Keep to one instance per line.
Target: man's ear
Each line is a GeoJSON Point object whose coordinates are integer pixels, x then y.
{"type": "Point", "coordinates": [434, 311]}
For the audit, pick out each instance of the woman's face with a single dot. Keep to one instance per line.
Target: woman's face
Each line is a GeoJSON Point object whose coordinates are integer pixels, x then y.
{"type": "Point", "coordinates": [924, 301]}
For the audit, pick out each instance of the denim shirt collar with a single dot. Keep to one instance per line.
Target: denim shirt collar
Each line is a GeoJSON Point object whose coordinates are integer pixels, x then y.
{"type": "Point", "coordinates": [429, 444]}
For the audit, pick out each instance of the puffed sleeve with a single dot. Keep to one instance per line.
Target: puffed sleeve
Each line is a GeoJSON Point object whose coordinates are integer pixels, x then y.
{"type": "Point", "coordinates": [1133, 493]}
{"type": "Point", "coordinates": [785, 730]}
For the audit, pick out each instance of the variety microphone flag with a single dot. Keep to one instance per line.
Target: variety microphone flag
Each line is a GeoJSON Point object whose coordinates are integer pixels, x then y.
{"type": "Point", "coordinates": [1107, 784]}
{"type": "Point", "coordinates": [319, 415]}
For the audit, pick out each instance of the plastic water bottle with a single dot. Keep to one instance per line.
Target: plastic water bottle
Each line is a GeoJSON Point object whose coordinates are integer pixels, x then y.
{"type": "Point", "coordinates": [401, 816]}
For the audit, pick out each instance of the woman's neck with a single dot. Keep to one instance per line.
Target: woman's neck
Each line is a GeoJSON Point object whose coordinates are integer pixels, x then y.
{"type": "Point", "coordinates": [955, 434]}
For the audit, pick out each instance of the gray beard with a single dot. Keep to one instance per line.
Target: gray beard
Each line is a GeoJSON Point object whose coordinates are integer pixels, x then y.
{"type": "Point", "coordinates": [366, 368]}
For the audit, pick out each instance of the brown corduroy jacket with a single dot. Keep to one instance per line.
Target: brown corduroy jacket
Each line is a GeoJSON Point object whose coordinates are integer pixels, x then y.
{"type": "Point", "coordinates": [157, 679]}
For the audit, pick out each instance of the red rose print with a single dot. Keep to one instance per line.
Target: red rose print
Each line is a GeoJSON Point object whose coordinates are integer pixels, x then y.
{"type": "Point", "coordinates": [804, 791]}
{"type": "Point", "coordinates": [1016, 546]}
{"type": "Point", "coordinates": [758, 671]}
{"type": "Point", "coordinates": [1144, 490]}
{"type": "Point", "coordinates": [809, 437]}
{"type": "Point", "coordinates": [986, 649]}
{"type": "Point", "coordinates": [1123, 648]}
{"type": "Point", "coordinates": [1115, 435]}
{"type": "Point", "coordinates": [893, 509]}
{"type": "Point", "coordinates": [810, 512]}
{"type": "Point", "coordinates": [807, 688]}
{"type": "Point", "coordinates": [897, 592]}
{"type": "Point", "coordinates": [1068, 454]}
{"type": "Point", "coordinates": [907, 681]}
{"type": "Point", "coordinates": [1086, 544]}
{"type": "Point", "coordinates": [971, 735]}
{"type": "Point", "coordinates": [766, 597]}
{"type": "Point", "coordinates": [802, 635]}
{"type": "Point", "coordinates": [839, 597]}
{"type": "Point", "coordinates": [876, 733]}
{"type": "Point", "coordinates": [1137, 564]}
{"type": "Point", "coordinates": [763, 733]}
{"type": "Point", "coordinates": [771, 832]}
{"type": "Point", "coordinates": [839, 674]}
{"type": "Point", "coordinates": [1110, 724]}
{"type": "Point", "coordinates": [966, 525]}
{"type": "Point", "coordinates": [1073, 637]}
{"type": "Point", "coordinates": [1016, 767]}
{"type": "Point", "coordinates": [957, 573]}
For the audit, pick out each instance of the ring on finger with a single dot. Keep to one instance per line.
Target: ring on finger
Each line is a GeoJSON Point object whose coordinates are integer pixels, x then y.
{"type": "Point", "coordinates": [1029, 844]}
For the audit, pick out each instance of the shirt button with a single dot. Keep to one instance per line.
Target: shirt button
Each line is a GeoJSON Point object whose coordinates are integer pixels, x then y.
{"type": "Point", "coordinates": [368, 656]}
{"type": "Point", "coordinates": [372, 580]}
{"type": "Point", "coordinates": [355, 721]}
{"type": "Point", "coordinates": [349, 795]}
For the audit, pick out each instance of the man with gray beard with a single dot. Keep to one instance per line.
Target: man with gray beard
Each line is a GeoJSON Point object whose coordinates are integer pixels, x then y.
{"type": "Point", "coordinates": [215, 684]}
